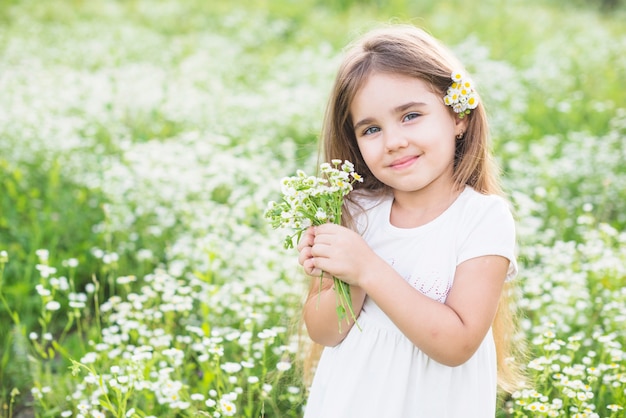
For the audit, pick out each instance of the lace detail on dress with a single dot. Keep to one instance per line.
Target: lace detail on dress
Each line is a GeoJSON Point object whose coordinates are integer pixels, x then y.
{"type": "Point", "coordinates": [434, 287]}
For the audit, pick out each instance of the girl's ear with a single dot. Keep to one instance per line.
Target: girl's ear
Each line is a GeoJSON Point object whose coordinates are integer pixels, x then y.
{"type": "Point", "coordinates": [461, 125]}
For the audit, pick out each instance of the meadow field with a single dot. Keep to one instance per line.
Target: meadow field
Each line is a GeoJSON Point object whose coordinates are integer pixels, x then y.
{"type": "Point", "coordinates": [141, 140]}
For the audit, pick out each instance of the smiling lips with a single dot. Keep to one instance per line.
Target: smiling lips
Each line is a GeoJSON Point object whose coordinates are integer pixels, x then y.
{"type": "Point", "coordinates": [403, 162]}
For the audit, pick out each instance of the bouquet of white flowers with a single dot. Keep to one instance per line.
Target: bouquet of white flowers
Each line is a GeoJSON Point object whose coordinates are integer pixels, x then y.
{"type": "Point", "coordinates": [308, 201]}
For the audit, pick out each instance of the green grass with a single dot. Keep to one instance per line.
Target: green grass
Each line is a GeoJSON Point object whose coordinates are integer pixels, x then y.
{"type": "Point", "coordinates": [142, 140]}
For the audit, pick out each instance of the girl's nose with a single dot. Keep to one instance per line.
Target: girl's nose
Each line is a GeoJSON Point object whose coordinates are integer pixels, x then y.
{"type": "Point", "coordinates": [394, 140]}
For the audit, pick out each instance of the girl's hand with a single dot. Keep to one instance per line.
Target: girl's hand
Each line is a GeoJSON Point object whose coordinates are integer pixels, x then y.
{"type": "Point", "coordinates": [335, 250]}
{"type": "Point", "coordinates": [331, 250]}
{"type": "Point", "coordinates": [305, 258]}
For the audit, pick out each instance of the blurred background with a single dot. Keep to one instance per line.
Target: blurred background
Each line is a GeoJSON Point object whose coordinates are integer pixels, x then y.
{"type": "Point", "coordinates": [140, 141]}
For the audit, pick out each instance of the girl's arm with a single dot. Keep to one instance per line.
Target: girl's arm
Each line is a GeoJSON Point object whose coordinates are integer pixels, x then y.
{"type": "Point", "coordinates": [448, 332]}
{"type": "Point", "coordinates": [320, 314]}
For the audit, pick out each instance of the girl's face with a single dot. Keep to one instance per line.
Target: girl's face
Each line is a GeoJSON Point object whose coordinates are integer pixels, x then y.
{"type": "Point", "coordinates": [405, 133]}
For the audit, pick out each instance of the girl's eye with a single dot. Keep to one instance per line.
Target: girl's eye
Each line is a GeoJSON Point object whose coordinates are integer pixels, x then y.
{"type": "Point", "coordinates": [371, 130]}
{"type": "Point", "coordinates": [410, 116]}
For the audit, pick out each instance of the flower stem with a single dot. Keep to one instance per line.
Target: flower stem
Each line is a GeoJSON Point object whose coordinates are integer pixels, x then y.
{"type": "Point", "coordinates": [345, 301]}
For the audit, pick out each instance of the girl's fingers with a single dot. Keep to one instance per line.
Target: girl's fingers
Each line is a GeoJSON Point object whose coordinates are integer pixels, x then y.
{"type": "Point", "coordinates": [310, 269]}
{"type": "Point", "coordinates": [305, 254]}
{"type": "Point", "coordinates": [306, 240]}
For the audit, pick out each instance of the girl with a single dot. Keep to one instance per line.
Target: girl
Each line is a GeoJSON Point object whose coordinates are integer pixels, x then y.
{"type": "Point", "coordinates": [426, 247]}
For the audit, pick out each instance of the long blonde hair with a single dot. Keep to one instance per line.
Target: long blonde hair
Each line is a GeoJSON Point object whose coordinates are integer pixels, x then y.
{"type": "Point", "coordinates": [409, 51]}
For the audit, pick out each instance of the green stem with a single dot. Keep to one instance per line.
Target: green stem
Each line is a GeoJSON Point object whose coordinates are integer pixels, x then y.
{"type": "Point", "coordinates": [96, 304]}
{"type": "Point", "coordinates": [345, 297]}
{"type": "Point", "coordinates": [13, 314]}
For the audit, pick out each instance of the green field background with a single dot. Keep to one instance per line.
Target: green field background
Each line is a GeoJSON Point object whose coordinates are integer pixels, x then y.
{"type": "Point", "coordinates": [141, 140]}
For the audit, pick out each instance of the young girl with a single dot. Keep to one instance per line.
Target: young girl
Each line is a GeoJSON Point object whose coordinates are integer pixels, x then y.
{"type": "Point", "coordinates": [427, 244]}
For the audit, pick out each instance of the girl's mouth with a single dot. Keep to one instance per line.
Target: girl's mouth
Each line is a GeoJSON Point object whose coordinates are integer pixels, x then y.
{"type": "Point", "coordinates": [403, 162]}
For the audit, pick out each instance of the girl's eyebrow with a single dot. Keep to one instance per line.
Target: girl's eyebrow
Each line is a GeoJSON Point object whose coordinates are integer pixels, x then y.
{"type": "Point", "coordinates": [397, 109]}
{"type": "Point", "coordinates": [362, 122]}
{"type": "Point", "coordinates": [408, 105]}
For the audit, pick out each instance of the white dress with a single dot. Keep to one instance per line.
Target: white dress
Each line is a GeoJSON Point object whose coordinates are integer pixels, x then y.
{"type": "Point", "coordinates": [378, 372]}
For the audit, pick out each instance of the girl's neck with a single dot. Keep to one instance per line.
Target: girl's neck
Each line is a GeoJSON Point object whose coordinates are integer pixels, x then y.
{"type": "Point", "coordinates": [410, 210]}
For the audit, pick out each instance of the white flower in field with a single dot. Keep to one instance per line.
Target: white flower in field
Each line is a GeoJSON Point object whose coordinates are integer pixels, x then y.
{"type": "Point", "coordinates": [196, 397]}
{"type": "Point", "coordinates": [536, 364]}
{"type": "Point", "coordinates": [180, 405]}
{"type": "Point", "coordinates": [267, 334]}
{"type": "Point", "coordinates": [43, 255]}
{"type": "Point", "coordinates": [210, 403]}
{"type": "Point", "coordinates": [97, 252]}
{"type": "Point", "coordinates": [195, 330]}
{"type": "Point", "coordinates": [175, 354]}
{"type": "Point", "coordinates": [57, 283]}
{"type": "Point", "coordinates": [89, 358]}
{"type": "Point", "coordinates": [114, 353]}
{"type": "Point", "coordinates": [216, 350]}
{"type": "Point", "coordinates": [144, 255]}
{"type": "Point", "coordinates": [283, 366]}
{"type": "Point", "coordinates": [228, 408]}
{"type": "Point", "coordinates": [231, 396]}
{"type": "Point", "coordinates": [551, 347]}
{"type": "Point", "coordinates": [77, 300]}
{"type": "Point", "coordinates": [231, 336]}
{"type": "Point", "coordinates": [71, 262]}
{"type": "Point", "coordinates": [33, 336]}
{"type": "Point", "coordinates": [42, 290]}
{"type": "Point", "coordinates": [91, 379]}
{"type": "Point", "coordinates": [83, 407]}
{"type": "Point", "coordinates": [253, 379]}
{"type": "Point", "coordinates": [126, 279]}
{"type": "Point", "coordinates": [45, 271]}
{"type": "Point", "coordinates": [66, 414]}
{"type": "Point", "coordinates": [36, 392]}
{"type": "Point", "coordinates": [110, 258]}
{"type": "Point", "coordinates": [64, 284]}
{"type": "Point", "coordinates": [185, 339]}
{"type": "Point", "coordinates": [53, 305]}
{"type": "Point", "coordinates": [563, 358]}
{"type": "Point", "coordinates": [231, 367]}
{"type": "Point", "coordinates": [4, 257]}
{"type": "Point", "coordinates": [245, 339]}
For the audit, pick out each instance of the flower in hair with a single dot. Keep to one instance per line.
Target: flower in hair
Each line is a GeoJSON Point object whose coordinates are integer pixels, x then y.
{"type": "Point", "coordinates": [461, 95]}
